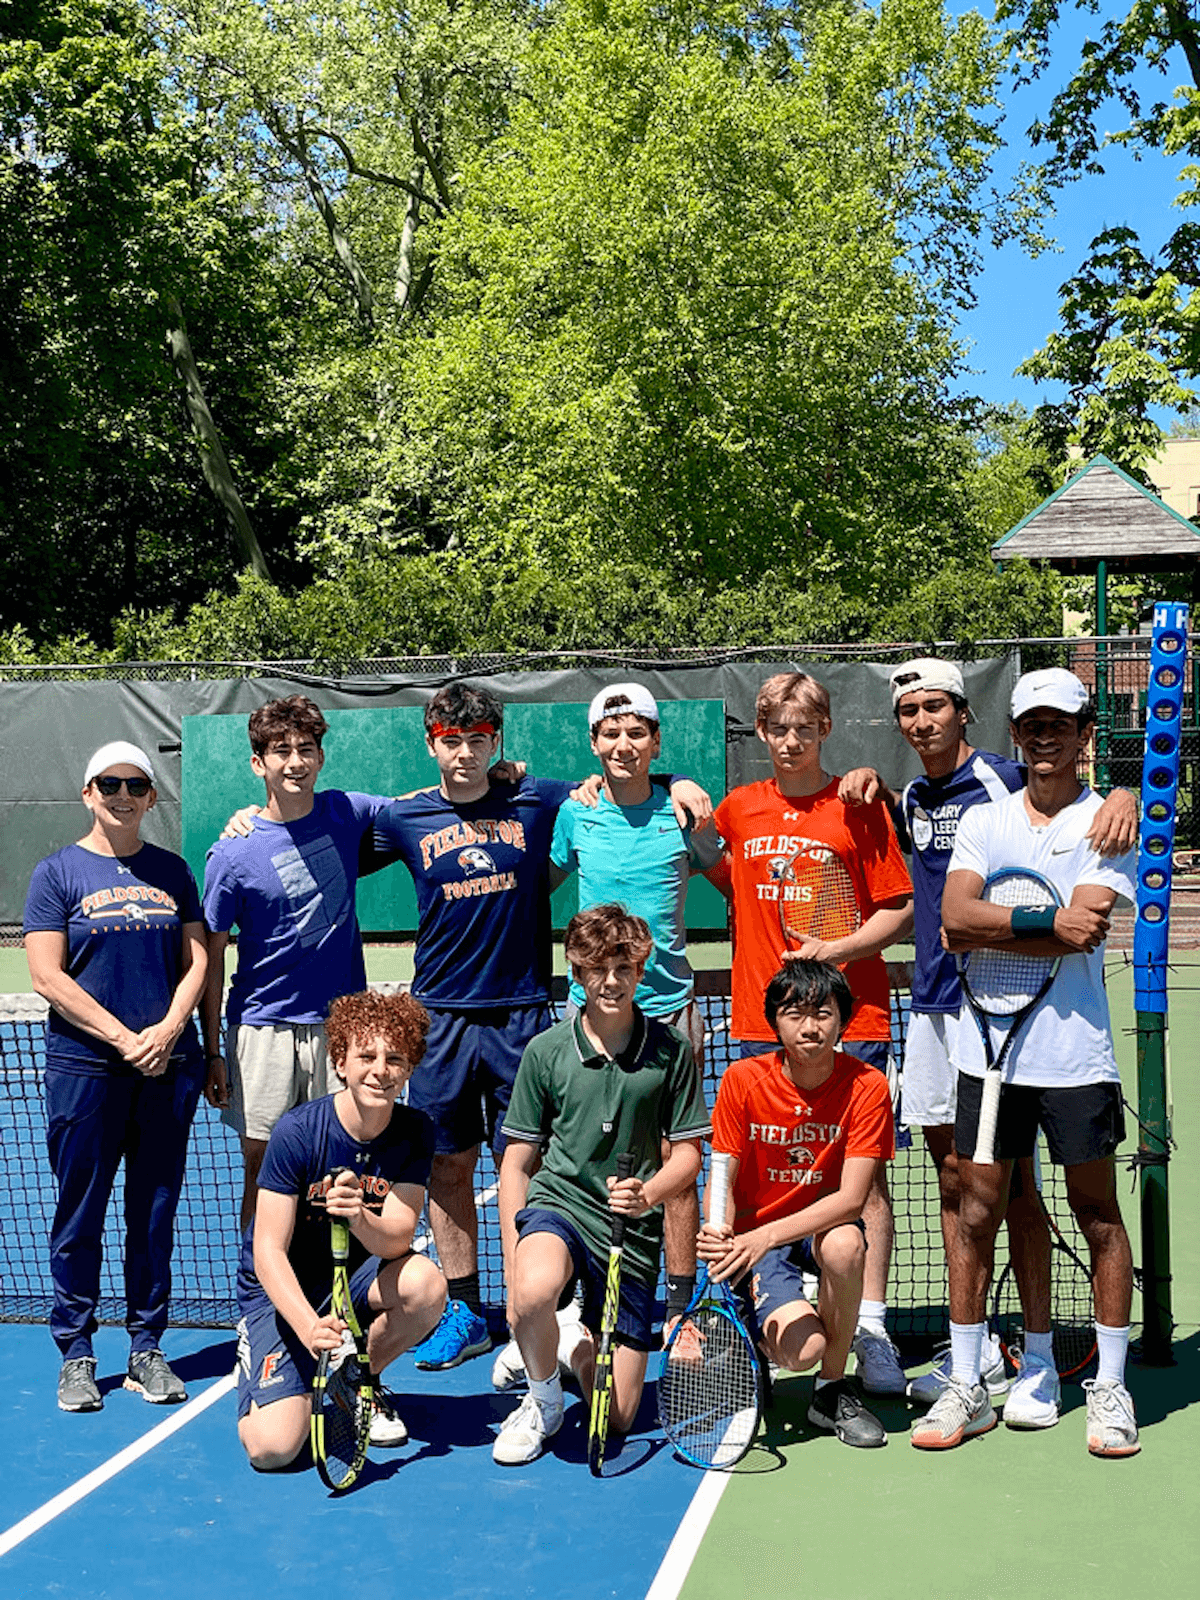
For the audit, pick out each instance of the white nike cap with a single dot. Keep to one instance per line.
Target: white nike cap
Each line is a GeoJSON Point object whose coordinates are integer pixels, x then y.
{"type": "Point", "coordinates": [623, 700]}
{"type": "Point", "coordinates": [1053, 687]}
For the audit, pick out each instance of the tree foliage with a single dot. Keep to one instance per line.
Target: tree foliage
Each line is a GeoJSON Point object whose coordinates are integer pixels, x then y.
{"type": "Point", "coordinates": [1129, 342]}
{"type": "Point", "coordinates": [498, 320]}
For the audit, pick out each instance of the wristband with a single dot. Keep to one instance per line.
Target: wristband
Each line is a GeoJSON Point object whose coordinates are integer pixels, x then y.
{"type": "Point", "coordinates": [680, 1289]}
{"type": "Point", "coordinates": [1033, 922]}
{"type": "Point", "coordinates": [216, 1055]}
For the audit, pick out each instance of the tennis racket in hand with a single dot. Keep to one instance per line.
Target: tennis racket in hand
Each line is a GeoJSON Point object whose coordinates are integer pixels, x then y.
{"type": "Point", "coordinates": [817, 900]}
{"type": "Point", "coordinates": [343, 1398]}
{"type": "Point", "coordinates": [1006, 986]}
{"type": "Point", "coordinates": [602, 1381]}
{"type": "Point", "coordinates": [710, 1387]}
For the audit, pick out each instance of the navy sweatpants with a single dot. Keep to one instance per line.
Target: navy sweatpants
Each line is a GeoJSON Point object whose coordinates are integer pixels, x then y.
{"type": "Point", "coordinates": [93, 1122]}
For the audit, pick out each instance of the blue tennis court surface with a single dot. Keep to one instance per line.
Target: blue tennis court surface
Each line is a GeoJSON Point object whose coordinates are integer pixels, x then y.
{"type": "Point", "coordinates": [435, 1519]}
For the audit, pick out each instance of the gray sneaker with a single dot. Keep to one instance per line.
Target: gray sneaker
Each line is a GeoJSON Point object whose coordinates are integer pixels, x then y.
{"type": "Point", "coordinates": [958, 1413]}
{"type": "Point", "coordinates": [151, 1377]}
{"type": "Point", "coordinates": [77, 1388]}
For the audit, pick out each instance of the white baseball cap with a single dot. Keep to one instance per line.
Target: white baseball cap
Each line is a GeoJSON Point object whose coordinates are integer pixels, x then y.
{"type": "Point", "coordinates": [926, 673]}
{"type": "Point", "coordinates": [119, 753]}
{"type": "Point", "coordinates": [1053, 687]}
{"type": "Point", "coordinates": [623, 700]}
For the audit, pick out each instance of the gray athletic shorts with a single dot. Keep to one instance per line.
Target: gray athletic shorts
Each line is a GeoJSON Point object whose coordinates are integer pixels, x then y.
{"type": "Point", "coordinates": [272, 1069]}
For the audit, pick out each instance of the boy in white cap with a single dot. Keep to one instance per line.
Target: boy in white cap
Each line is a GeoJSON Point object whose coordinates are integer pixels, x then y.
{"type": "Point", "coordinates": [1061, 1074]}
{"type": "Point", "coordinates": [930, 705]}
{"type": "Point", "coordinates": [630, 849]}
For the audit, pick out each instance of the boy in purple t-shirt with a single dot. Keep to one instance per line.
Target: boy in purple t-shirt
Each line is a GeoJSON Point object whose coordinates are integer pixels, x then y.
{"type": "Point", "coordinates": [288, 887]}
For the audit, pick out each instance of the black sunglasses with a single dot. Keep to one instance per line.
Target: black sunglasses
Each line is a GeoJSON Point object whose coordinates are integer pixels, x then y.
{"type": "Point", "coordinates": [135, 787]}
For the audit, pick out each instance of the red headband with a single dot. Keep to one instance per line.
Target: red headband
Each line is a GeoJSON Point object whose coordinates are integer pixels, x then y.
{"type": "Point", "coordinates": [440, 729]}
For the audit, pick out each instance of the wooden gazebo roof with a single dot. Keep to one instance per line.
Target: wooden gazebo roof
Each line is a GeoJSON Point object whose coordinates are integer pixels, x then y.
{"type": "Point", "coordinates": [1102, 514]}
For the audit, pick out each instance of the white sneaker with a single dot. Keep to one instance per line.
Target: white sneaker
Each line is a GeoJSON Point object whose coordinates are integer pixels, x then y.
{"type": "Point", "coordinates": [1111, 1426]}
{"type": "Point", "coordinates": [1035, 1399]}
{"type": "Point", "coordinates": [387, 1430]}
{"type": "Point", "coordinates": [508, 1369]}
{"type": "Point", "coordinates": [879, 1369]}
{"type": "Point", "coordinates": [926, 1389]}
{"type": "Point", "coordinates": [525, 1433]}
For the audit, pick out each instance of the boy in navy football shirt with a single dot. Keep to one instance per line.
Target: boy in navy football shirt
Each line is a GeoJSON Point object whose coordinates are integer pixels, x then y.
{"type": "Point", "coordinates": [284, 1277]}
{"type": "Point", "coordinates": [479, 855]}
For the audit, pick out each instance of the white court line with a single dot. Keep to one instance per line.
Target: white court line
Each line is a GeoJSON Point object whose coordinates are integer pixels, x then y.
{"type": "Point", "coordinates": [681, 1552]}
{"type": "Point", "coordinates": [79, 1490]}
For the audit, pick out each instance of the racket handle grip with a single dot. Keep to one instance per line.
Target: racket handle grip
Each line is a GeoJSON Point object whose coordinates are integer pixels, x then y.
{"type": "Point", "coordinates": [989, 1111]}
{"type": "Point", "coordinates": [718, 1190]}
{"type": "Point", "coordinates": [625, 1165]}
{"type": "Point", "coordinates": [339, 1230]}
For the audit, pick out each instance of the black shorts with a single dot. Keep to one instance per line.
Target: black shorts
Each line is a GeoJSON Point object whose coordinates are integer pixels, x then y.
{"type": "Point", "coordinates": [1082, 1123]}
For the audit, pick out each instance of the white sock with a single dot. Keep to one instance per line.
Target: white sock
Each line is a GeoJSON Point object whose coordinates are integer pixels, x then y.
{"type": "Point", "coordinates": [1040, 1345]}
{"type": "Point", "coordinates": [819, 1383]}
{"type": "Point", "coordinates": [1114, 1347]}
{"type": "Point", "coordinates": [547, 1392]}
{"type": "Point", "coordinates": [966, 1350]}
{"type": "Point", "coordinates": [870, 1317]}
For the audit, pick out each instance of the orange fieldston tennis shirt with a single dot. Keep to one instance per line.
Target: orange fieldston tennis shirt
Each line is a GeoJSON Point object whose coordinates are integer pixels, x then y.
{"type": "Point", "coordinates": [791, 1143]}
{"type": "Point", "coordinates": [763, 830]}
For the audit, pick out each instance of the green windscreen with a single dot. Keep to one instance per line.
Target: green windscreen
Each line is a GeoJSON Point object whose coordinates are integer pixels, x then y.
{"type": "Point", "coordinates": [382, 751]}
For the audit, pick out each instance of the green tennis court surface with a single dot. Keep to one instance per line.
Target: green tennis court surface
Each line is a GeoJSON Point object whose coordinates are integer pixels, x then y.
{"type": "Point", "coordinates": [1010, 1516]}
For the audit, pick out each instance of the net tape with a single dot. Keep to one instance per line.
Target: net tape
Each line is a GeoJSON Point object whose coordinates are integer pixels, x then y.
{"type": "Point", "coordinates": [206, 1233]}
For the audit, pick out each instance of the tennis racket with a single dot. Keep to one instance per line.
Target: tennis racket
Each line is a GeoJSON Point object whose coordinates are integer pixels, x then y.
{"type": "Point", "coordinates": [817, 900]}
{"type": "Point", "coordinates": [343, 1398]}
{"type": "Point", "coordinates": [602, 1381]}
{"type": "Point", "coordinates": [710, 1387]}
{"type": "Point", "coordinates": [1072, 1319]}
{"type": "Point", "coordinates": [1006, 985]}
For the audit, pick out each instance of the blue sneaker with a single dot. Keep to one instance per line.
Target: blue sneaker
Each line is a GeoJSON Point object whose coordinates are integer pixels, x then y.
{"type": "Point", "coordinates": [458, 1335]}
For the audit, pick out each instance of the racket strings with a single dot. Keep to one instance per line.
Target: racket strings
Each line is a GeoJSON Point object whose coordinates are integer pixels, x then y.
{"type": "Point", "coordinates": [1003, 981]}
{"type": "Point", "coordinates": [817, 900]}
{"type": "Point", "coordinates": [708, 1391]}
{"type": "Point", "coordinates": [345, 1417]}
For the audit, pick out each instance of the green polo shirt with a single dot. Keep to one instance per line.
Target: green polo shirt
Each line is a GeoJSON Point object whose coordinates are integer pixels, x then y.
{"type": "Point", "coordinates": [587, 1109]}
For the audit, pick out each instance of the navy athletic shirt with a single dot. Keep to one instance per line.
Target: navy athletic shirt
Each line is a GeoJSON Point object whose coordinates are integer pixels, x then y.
{"type": "Point", "coordinates": [123, 917]}
{"type": "Point", "coordinates": [482, 875]}
{"type": "Point", "coordinates": [926, 824]}
{"type": "Point", "coordinates": [306, 1143]}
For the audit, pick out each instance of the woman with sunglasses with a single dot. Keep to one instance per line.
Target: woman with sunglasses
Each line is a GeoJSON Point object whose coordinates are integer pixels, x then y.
{"type": "Point", "coordinates": [115, 943]}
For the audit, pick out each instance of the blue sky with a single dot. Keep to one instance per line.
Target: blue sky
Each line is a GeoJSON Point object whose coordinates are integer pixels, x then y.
{"type": "Point", "coordinates": [1017, 296]}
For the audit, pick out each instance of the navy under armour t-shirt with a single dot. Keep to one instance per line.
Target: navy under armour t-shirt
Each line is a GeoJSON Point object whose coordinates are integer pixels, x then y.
{"type": "Point", "coordinates": [306, 1144]}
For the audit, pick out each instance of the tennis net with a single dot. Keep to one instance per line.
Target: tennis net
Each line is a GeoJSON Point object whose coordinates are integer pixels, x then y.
{"type": "Point", "coordinates": [207, 1236]}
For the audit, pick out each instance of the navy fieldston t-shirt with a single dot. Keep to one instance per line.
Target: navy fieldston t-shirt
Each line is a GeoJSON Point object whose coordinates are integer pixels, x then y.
{"type": "Point", "coordinates": [123, 917]}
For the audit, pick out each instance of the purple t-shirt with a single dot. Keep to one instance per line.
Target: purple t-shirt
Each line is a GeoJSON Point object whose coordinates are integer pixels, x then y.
{"type": "Point", "coordinates": [123, 917]}
{"type": "Point", "coordinates": [306, 1144]}
{"type": "Point", "coordinates": [288, 888]}
{"type": "Point", "coordinates": [482, 876]}
{"type": "Point", "coordinates": [929, 812]}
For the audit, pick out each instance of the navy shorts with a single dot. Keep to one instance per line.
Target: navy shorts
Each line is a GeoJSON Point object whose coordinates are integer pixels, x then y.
{"type": "Point", "coordinates": [465, 1078]}
{"type": "Point", "coordinates": [635, 1314]}
{"type": "Point", "coordinates": [777, 1280]}
{"type": "Point", "coordinates": [273, 1362]}
{"type": "Point", "coordinates": [1083, 1123]}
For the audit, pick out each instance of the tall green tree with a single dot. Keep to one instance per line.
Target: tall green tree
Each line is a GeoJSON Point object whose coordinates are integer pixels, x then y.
{"type": "Point", "coordinates": [1129, 340]}
{"type": "Point", "coordinates": [696, 301]}
{"type": "Point", "coordinates": [112, 246]}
